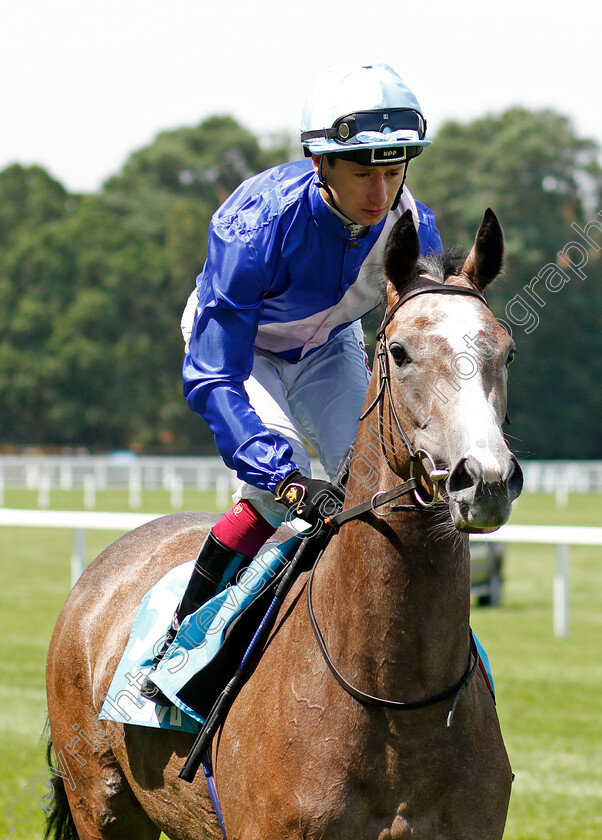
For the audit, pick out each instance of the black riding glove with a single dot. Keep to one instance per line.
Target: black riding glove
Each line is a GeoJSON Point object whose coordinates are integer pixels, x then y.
{"type": "Point", "coordinates": [312, 499]}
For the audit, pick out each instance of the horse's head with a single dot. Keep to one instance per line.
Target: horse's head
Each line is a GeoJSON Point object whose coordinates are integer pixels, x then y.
{"type": "Point", "coordinates": [448, 359]}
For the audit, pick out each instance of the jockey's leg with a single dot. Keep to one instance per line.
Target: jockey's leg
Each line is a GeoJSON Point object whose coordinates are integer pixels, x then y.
{"type": "Point", "coordinates": [318, 399]}
{"type": "Point", "coordinates": [267, 388]}
{"type": "Point", "coordinates": [237, 537]}
{"type": "Point", "coordinates": [328, 396]}
{"type": "Point", "coordinates": [229, 547]}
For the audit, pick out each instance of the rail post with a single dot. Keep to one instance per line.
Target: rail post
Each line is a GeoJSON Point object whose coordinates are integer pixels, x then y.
{"type": "Point", "coordinates": [561, 592]}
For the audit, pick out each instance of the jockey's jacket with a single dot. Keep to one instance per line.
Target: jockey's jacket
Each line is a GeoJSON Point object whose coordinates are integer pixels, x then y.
{"type": "Point", "coordinates": [283, 274]}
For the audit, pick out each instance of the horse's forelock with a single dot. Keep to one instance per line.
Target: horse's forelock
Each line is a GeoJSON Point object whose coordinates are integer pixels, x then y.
{"type": "Point", "coordinates": [438, 267]}
{"type": "Point", "coordinates": [442, 265]}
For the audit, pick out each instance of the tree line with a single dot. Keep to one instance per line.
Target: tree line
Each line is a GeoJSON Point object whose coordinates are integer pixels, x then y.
{"type": "Point", "coordinates": [92, 286]}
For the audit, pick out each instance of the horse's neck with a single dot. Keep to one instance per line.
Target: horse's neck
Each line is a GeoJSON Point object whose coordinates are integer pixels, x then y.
{"type": "Point", "coordinates": [397, 594]}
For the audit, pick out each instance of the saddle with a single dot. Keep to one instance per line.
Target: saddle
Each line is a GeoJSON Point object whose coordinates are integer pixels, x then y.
{"type": "Point", "coordinates": [202, 690]}
{"type": "Point", "coordinates": [201, 660]}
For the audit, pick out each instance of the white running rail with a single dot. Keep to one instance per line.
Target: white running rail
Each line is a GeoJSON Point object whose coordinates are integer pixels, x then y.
{"type": "Point", "coordinates": [81, 521]}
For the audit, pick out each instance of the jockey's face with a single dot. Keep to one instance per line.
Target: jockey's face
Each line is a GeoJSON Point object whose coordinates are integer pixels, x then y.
{"type": "Point", "coordinates": [363, 193]}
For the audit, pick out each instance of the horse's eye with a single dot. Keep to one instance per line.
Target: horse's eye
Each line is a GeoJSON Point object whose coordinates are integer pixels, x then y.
{"type": "Point", "coordinates": [399, 354]}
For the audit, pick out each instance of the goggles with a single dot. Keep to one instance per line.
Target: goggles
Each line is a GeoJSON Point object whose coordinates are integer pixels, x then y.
{"type": "Point", "coordinates": [387, 121]}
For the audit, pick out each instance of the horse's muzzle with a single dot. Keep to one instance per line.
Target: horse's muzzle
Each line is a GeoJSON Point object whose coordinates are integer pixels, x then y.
{"type": "Point", "coordinates": [479, 500]}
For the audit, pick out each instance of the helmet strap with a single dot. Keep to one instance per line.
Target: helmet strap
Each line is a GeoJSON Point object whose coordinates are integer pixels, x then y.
{"type": "Point", "coordinates": [395, 204]}
{"type": "Point", "coordinates": [321, 182]}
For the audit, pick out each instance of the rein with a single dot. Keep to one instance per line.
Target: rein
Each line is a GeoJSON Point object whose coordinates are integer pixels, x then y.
{"type": "Point", "coordinates": [379, 499]}
{"type": "Point", "coordinates": [424, 286]}
{"type": "Point", "coordinates": [400, 705]}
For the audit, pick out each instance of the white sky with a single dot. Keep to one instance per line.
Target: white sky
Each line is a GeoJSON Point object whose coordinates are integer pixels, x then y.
{"type": "Point", "coordinates": [84, 83]}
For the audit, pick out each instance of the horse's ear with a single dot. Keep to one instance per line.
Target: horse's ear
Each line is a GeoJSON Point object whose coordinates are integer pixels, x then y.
{"type": "Point", "coordinates": [402, 251]}
{"type": "Point", "coordinates": [484, 262]}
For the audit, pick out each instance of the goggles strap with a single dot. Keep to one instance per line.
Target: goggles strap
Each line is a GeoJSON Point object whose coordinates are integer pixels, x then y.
{"type": "Point", "coordinates": [343, 132]}
{"type": "Point", "coordinates": [323, 133]}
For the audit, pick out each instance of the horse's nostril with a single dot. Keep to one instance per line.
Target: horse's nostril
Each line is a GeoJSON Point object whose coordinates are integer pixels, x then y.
{"type": "Point", "coordinates": [467, 473]}
{"type": "Point", "coordinates": [460, 479]}
{"type": "Point", "coordinates": [515, 480]}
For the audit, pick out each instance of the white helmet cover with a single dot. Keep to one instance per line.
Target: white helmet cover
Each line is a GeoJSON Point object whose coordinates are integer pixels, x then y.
{"type": "Point", "coordinates": [365, 107]}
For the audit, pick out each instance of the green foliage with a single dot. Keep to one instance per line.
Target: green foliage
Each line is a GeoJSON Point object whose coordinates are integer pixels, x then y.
{"type": "Point", "coordinates": [85, 302]}
{"type": "Point", "coordinates": [92, 287]}
{"type": "Point", "coordinates": [528, 166]}
{"type": "Point", "coordinates": [28, 198]}
{"type": "Point", "coordinates": [202, 164]}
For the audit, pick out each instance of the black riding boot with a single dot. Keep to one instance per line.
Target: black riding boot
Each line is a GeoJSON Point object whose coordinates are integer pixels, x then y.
{"type": "Point", "coordinates": [216, 567]}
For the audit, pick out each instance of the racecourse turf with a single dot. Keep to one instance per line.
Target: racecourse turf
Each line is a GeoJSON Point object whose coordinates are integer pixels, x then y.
{"type": "Point", "coordinates": [548, 689]}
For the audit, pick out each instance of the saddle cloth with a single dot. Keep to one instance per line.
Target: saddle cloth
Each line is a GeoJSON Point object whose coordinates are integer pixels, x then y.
{"type": "Point", "coordinates": [207, 649]}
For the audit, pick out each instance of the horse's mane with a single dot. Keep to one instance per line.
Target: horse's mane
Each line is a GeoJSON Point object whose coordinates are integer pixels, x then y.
{"type": "Point", "coordinates": [439, 266]}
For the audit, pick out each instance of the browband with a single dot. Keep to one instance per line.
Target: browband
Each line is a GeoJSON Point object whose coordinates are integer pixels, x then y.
{"type": "Point", "coordinates": [426, 286]}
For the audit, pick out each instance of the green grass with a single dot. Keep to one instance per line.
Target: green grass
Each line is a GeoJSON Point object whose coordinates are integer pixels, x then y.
{"type": "Point", "coordinates": [547, 689]}
{"type": "Point", "coordinates": [35, 581]}
{"type": "Point", "coordinates": [153, 501]}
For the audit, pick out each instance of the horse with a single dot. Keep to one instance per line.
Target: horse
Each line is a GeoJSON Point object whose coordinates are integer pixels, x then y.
{"type": "Point", "coordinates": [405, 742]}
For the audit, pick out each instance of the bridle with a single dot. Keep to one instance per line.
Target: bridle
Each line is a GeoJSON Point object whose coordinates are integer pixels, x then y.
{"type": "Point", "coordinates": [423, 285]}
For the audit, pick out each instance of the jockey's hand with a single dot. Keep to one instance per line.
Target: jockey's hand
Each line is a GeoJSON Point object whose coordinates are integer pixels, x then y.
{"type": "Point", "coordinates": [312, 499]}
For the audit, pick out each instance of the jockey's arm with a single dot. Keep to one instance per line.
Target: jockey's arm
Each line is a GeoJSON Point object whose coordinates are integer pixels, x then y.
{"type": "Point", "coordinates": [219, 359]}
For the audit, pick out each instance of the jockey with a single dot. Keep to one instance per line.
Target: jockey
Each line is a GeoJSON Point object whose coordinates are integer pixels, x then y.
{"type": "Point", "coordinates": [274, 345]}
